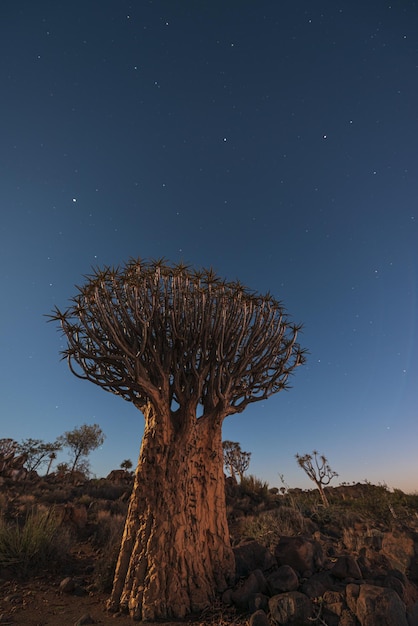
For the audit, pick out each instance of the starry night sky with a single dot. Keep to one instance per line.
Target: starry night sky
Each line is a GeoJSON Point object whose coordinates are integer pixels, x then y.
{"type": "Point", "coordinates": [275, 141]}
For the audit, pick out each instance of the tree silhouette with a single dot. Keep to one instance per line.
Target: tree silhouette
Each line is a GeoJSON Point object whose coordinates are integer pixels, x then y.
{"type": "Point", "coordinates": [319, 471]}
{"type": "Point", "coordinates": [236, 461]}
{"type": "Point", "coordinates": [187, 349]}
{"type": "Point", "coordinates": [81, 441]}
{"type": "Point", "coordinates": [37, 452]}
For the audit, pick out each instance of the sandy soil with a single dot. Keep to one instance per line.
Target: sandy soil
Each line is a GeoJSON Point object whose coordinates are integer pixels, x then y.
{"type": "Point", "coordinates": [39, 601]}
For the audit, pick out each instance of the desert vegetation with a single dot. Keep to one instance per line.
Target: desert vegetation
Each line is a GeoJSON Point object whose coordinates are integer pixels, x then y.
{"type": "Point", "coordinates": [48, 527]}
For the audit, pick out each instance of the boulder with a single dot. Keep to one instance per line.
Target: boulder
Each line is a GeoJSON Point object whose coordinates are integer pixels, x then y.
{"type": "Point", "coordinates": [255, 584]}
{"type": "Point", "coordinates": [290, 609]}
{"type": "Point", "coordinates": [317, 585]}
{"type": "Point", "coordinates": [259, 618]}
{"type": "Point", "coordinates": [283, 579]}
{"type": "Point", "coordinates": [332, 608]}
{"type": "Point", "coordinates": [258, 601]}
{"type": "Point", "coordinates": [252, 555]}
{"type": "Point", "coordinates": [412, 615]}
{"type": "Point", "coordinates": [401, 549]}
{"type": "Point", "coordinates": [304, 555]}
{"type": "Point", "coordinates": [376, 606]}
{"type": "Point", "coordinates": [346, 567]}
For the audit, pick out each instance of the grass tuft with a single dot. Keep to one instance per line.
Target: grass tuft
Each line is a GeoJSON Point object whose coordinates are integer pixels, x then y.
{"type": "Point", "coordinates": [27, 547]}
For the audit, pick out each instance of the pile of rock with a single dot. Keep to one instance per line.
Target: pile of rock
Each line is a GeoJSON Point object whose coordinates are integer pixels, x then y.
{"type": "Point", "coordinates": [305, 581]}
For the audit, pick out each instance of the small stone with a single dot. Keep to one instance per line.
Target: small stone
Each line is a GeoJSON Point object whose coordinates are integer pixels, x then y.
{"type": "Point", "coordinates": [14, 598]}
{"type": "Point", "coordinates": [67, 585]}
{"type": "Point", "coordinates": [85, 619]}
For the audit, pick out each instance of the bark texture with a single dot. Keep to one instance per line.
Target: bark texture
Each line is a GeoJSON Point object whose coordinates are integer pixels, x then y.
{"type": "Point", "coordinates": [175, 554]}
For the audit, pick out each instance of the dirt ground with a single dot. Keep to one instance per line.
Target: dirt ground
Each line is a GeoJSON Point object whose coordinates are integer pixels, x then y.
{"type": "Point", "coordinates": [39, 601]}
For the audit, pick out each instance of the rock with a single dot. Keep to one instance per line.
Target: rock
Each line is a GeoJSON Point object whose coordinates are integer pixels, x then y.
{"type": "Point", "coordinates": [346, 567]}
{"type": "Point", "coordinates": [254, 584]}
{"type": "Point", "coordinates": [85, 619]}
{"type": "Point", "coordinates": [376, 606]}
{"type": "Point", "coordinates": [332, 607]}
{"type": "Point", "coordinates": [347, 619]}
{"type": "Point", "coordinates": [401, 550]}
{"type": "Point", "coordinates": [283, 579]}
{"type": "Point", "coordinates": [14, 598]}
{"type": "Point", "coordinates": [395, 583]}
{"type": "Point", "coordinates": [290, 609]}
{"type": "Point", "coordinates": [258, 601]}
{"type": "Point", "coordinates": [227, 597]}
{"type": "Point", "coordinates": [303, 554]}
{"type": "Point", "coordinates": [250, 556]}
{"type": "Point", "coordinates": [259, 618]}
{"type": "Point", "coordinates": [334, 599]}
{"type": "Point", "coordinates": [317, 585]}
{"type": "Point", "coordinates": [412, 615]}
{"type": "Point", "coordinates": [67, 585]}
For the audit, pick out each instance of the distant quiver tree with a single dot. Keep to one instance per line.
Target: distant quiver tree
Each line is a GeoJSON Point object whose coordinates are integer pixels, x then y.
{"type": "Point", "coordinates": [187, 349]}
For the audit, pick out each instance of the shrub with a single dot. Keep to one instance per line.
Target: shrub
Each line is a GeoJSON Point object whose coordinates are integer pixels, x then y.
{"type": "Point", "coordinates": [108, 537]}
{"type": "Point", "coordinates": [26, 548]}
{"type": "Point", "coordinates": [269, 526]}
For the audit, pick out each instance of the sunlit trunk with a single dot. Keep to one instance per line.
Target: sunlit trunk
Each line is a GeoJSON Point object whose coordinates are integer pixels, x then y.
{"type": "Point", "coordinates": [175, 553]}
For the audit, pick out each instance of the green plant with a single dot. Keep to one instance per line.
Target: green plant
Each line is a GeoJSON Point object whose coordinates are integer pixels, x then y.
{"type": "Point", "coordinates": [269, 526]}
{"type": "Point", "coordinates": [27, 547]}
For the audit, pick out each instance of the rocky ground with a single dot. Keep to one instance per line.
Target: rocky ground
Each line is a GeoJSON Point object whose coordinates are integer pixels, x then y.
{"type": "Point", "coordinates": [354, 564]}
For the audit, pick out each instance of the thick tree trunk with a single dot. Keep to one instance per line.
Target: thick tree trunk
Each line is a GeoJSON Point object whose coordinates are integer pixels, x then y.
{"type": "Point", "coordinates": [175, 553]}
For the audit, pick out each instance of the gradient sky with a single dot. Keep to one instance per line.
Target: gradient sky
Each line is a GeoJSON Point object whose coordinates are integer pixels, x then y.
{"type": "Point", "coordinates": [275, 141]}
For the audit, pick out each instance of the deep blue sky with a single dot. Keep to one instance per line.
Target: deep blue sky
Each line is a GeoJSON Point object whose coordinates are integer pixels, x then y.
{"type": "Point", "coordinates": [275, 141]}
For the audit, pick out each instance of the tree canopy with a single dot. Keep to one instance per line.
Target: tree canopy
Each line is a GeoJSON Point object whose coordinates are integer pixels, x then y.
{"type": "Point", "coordinates": [153, 332]}
{"type": "Point", "coordinates": [81, 441]}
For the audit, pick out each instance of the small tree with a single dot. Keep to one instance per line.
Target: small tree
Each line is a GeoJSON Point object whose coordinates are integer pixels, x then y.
{"type": "Point", "coordinates": [81, 441]}
{"type": "Point", "coordinates": [63, 468]}
{"type": "Point", "coordinates": [126, 464]}
{"type": "Point", "coordinates": [317, 468]}
{"type": "Point", "coordinates": [8, 447]}
{"type": "Point", "coordinates": [187, 349]}
{"type": "Point", "coordinates": [235, 460]}
{"type": "Point", "coordinates": [37, 452]}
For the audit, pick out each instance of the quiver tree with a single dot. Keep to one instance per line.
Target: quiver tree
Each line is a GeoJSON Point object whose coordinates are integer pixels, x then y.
{"type": "Point", "coordinates": [319, 471]}
{"type": "Point", "coordinates": [187, 349]}
{"type": "Point", "coordinates": [236, 461]}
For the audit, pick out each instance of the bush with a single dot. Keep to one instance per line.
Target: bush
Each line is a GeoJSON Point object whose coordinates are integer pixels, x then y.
{"type": "Point", "coordinates": [26, 548]}
{"type": "Point", "coordinates": [269, 526]}
{"type": "Point", "coordinates": [109, 537]}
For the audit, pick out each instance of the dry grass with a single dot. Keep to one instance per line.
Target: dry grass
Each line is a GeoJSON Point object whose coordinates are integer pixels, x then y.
{"type": "Point", "coordinates": [269, 526]}
{"type": "Point", "coordinates": [108, 538]}
{"type": "Point", "coordinates": [27, 547]}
